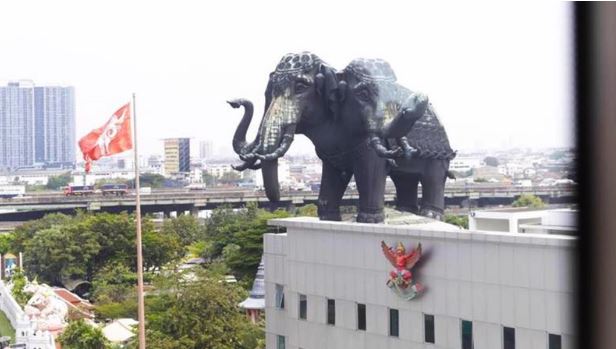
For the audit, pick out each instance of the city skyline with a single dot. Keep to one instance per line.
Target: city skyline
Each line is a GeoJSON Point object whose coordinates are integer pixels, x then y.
{"type": "Point", "coordinates": [494, 82]}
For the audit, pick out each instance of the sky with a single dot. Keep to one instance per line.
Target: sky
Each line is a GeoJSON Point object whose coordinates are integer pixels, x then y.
{"type": "Point", "coordinates": [499, 75]}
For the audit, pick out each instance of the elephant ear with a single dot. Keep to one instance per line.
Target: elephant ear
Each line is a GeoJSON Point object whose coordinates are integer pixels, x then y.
{"type": "Point", "coordinates": [327, 86]}
{"type": "Point", "coordinates": [268, 93]}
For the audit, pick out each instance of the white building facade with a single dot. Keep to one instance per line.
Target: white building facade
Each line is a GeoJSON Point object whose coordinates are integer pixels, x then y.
{"type": "Point", "coordinates": [325, 288]}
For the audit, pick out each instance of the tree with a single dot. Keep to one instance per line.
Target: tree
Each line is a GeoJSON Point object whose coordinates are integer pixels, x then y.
{"type": "Point", "coordinates": [230, 177]}
{"type": "Point", "coordinates": [57, 182]}
{"type": "Point", "coordinates": [187, 228]}
{"type": "Point", "coordinates": [19, 282]}
{"type": "Point", "coordinates": [153, 180]}
{"type": "Point", "coordinates": [309, 210]}
{"type": "Point", "coordinates": [209, 180]}
{"type": "Point", "coordinates": [198, 315]}
{"type": "Point", "coordinates": [460, 221]}
{"type": "Point", "coordinates": [244, 229]}
{"type": "Point", "coordinates": [160, 249]}
{"type": "Point", "coordinates": [79, 335]}
{"type": "Point", "coordinates": [491, 161]}
{"type": "Point", "coordinates": [6, 241]}
{"type": "Point", "coordinates": [528, 200]}
{"type": "Point", "coordinates": [61, 252]}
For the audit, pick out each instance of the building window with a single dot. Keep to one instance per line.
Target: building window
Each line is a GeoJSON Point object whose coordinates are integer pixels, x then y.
{"type": "Point", "coordinates": [361, 316]}
{"type": "Point", "coordinates": [467, 334]}
{"type": "Point", "coordinates": [302, 306]}
{"type": "Point", "coordinates": [393, 323]}
{"type": "Point", "coordinates": [280, 344]}
{"type": "Point", "coordinates": [554, 341]}
{"type": "Point", "coordinates": [508, 338]}
{"type": "Point", "coordinates": [331, 312]}
{"type": "Point", "coordinates": [279, 296]}
{"type": "Point", "coordinates": [429, 328]}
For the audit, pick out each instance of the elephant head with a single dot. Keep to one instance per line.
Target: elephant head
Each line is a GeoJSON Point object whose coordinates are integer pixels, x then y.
{"type": "Point", "coordinates": [388, 110]}
{"type": "Point", "coordinates": [300, 92]}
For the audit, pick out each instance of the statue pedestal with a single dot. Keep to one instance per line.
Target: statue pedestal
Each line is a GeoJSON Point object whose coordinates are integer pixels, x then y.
{"type": "Point", "coordinates": [495, 279]}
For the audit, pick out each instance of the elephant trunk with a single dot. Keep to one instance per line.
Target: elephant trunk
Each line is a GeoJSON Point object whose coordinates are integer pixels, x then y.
{"type": "Point", "coordinates": [239, 138]}
{"type": "Point", "coordinates": [269, 170]}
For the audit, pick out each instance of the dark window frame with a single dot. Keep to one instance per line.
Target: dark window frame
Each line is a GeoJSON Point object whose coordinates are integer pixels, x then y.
{"type": "Point", "coordinates": [331, 312]}
{"type": "Point", "coordinates": [303, 307]}
{"type": "Point", "coordinates": [361, 320]}
{"type": "Point", "coordinates": [508, 331]}
{"type": "Point", "coordinates": [555, 341]}
{"type": "Point", "coordinates": [467, 344]}
{"type": "Point", "coordinates": [429, 331]}
{"type": "Point", "coordinates": [394, 331]}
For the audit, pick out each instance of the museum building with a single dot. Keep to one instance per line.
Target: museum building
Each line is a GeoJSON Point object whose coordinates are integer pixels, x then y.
{"type": "Point", "coordinates": [329, 285]}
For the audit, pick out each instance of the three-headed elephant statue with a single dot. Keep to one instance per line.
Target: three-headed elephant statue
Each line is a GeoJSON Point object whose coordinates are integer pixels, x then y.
{"type": "Point", "coordinates": [360, 122]}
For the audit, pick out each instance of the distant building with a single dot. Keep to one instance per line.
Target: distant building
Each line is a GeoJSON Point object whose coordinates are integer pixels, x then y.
{"type": "Point", "coordinates": [525, 220]}
{"type": "Point", "coordinates": [177, 155]}
{"type": "Point", "coordinates": [255, 303]}
{"type": "Point", "coordinates": [17, 124]}
{"type": "Point", "coordinates": [37, 125]}
{"type": "Point", "coordinates": [206, 149]}
{"type": "Point", "coordinates": [54, 125]}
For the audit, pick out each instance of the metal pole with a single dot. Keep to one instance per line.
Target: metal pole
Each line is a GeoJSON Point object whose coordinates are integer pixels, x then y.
{"type": "Point", "coordinates": [141, 307]}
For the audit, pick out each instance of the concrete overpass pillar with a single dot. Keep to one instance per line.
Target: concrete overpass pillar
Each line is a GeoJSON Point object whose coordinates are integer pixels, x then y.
{"type": "Point", "coordinates": [180, 213]}
{"type": "Point", "coordinates": [167, 213]}
{"type": "Point", "coordinates": [194, 211]}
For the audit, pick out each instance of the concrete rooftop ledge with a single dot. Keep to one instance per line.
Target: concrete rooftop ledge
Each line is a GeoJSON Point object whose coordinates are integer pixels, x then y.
{"type": "Point", "coordinates": [432, 230]}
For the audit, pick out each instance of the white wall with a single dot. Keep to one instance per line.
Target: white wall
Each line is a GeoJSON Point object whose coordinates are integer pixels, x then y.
{"type": "Point", "coordinates": [491, 279]}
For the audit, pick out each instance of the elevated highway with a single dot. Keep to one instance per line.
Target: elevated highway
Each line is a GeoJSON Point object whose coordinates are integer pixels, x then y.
{"type": "Point", "coordinates": [181, 201]}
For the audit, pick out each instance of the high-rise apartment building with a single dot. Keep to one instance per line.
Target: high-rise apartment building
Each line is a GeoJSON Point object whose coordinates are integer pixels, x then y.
{"type": "Point", "coordinates": [177, 155]}
{"type": "Point", "coordinates": [17, 124]}
{"type": "Point", "coordinates": [37, 125]}
{"type": "Point", "coordinates": [206, 149]}
{"type": "Point", "coordinates": [54, 121]}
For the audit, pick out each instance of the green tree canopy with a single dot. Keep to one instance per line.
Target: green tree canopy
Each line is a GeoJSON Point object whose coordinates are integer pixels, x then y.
{"type": "Point", "coordinates": [79, 335]}
{"type": "Point", "coordinates": [528, 200]}
{"type": "Point", "coordinates": [200, 314]}
{"type": "Point", "coordinates": [57, 182]}
{"type": "Point", "coordinates": [491, 161]}
{"type": "Point", "coordinates": [187, 228]}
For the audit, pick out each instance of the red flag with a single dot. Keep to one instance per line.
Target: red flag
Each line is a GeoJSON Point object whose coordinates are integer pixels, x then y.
{"type": "Point", "coordinates": [112, 138]}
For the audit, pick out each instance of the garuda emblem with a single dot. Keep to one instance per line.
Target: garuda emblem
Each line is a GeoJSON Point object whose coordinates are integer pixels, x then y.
{"type": "Point", "coordinates": [401, 279]}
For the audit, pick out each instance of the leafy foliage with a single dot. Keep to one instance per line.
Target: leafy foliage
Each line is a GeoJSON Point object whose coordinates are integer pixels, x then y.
{"type": "Point", "coordinates": [58, 247]}
{"type": "Point", "coordinates": [460, 221]}
{"type": "Point", "coordinates": [244, 229]}
{"type": "Point", "coordinates": [57, 182]}
{"type": "Point", "coordinates": [528, 200]}
{"type": "Point", "coordinates": [79, 335]}
{"type": "Point", "coordinates": [19, 282]}
{"type": "Point", "coordinates": [187, 228]}
{"type": "Point", "coordinates": [310, 210]}
{"type": "Point", "coordinates": [198, 314]}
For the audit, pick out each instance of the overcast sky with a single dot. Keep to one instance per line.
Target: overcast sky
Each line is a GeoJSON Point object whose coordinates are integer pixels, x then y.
{"type": "Point", "coordinates": [498, 74]}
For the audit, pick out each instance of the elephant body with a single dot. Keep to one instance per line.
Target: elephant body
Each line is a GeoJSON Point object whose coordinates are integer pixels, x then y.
{"type": "Point", "coordinates": [418, 143]}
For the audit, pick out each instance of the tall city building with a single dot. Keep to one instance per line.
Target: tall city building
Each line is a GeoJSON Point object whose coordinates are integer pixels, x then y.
{"type": "Point", "coordinates": [54, 125]}
{"type": "Point", "coordinates": [37, 125]}
{"type": "Point", "coordinates": [17, 124]}
{"type": "Point", "coordinates": [177, 155]}
{"type": "Point", "coordinates": [206, 149]}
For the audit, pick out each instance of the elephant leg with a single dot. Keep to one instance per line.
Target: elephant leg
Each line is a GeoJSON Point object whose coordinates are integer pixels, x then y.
{"type": "Point", "coordinates": [333, 184]}
{"type": "Point", "coordinates": [370, 171]}
{"type": "Point", "coordinates": [406, 191]}
{"type": "Point", "coordinates": [433, 189]}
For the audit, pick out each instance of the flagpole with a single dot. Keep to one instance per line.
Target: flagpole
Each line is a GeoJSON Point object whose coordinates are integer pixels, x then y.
{"type": "Point", "coordinates": [141, 307]}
